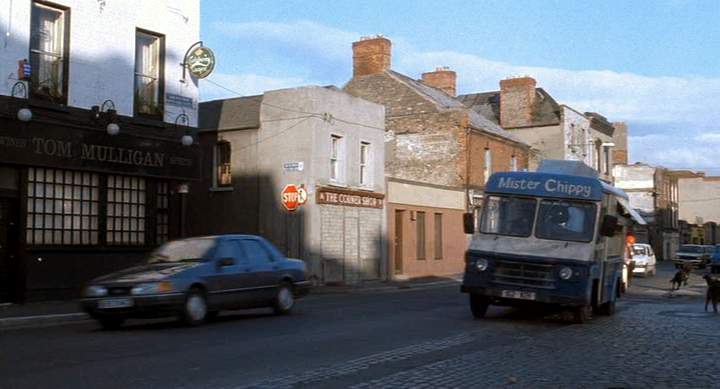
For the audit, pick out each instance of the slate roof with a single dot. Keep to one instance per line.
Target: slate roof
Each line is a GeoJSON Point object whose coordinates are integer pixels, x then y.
{"type": "Point", "coordinates": [444, 101]}
{"type": "Point", "coordinates": [546, 111]}
{"type": "Point", "coordinates": [230, 114]}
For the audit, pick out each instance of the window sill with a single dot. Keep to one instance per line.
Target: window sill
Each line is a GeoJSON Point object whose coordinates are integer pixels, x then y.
{"type": "Point", "coordinates": [221, 189]}
{"type": "Point", "coordinates": [337, 184]}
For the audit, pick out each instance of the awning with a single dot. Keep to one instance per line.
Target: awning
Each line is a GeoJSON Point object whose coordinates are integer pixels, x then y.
{"type": "Point", "coordinates": [633, 213]}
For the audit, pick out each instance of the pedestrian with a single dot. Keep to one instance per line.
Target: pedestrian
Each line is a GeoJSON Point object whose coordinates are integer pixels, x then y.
{"type": "Point", "coordinates": [629, 263]}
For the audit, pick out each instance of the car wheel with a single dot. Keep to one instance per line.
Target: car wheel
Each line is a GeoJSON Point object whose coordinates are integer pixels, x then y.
{"type": "Point", "coordinates": [284, 299]}
{"type": "Point", "coordinates": [111, 323]}
{"type": "Point", "coordinates": [195, 310]}
{"type": "Point", "coordinates": [479, 305]}
{"type": "Point", "coordinates": [582, 314]}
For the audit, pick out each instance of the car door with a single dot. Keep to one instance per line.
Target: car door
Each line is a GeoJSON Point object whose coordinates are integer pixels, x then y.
{"type": "Point", "coordinates": [259, 269]}
{"type": "Point", "coordinates": [225, 287]}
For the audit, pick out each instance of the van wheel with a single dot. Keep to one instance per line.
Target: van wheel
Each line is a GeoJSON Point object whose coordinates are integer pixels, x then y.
{"type": "Point", "coordinates": [582, 314]}
{"type": "Point", "coordinates": [607, 309]}
{"type": "Point", "coordinates": [479, 305]}
{"type": "Point", "coordinates": [284, 299]}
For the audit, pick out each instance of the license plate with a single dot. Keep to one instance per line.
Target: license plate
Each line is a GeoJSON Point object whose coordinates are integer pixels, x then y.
{"type": "Point", "coordinates": [115, 303]}
{"type": "Point", "coordinates": [518, 294]}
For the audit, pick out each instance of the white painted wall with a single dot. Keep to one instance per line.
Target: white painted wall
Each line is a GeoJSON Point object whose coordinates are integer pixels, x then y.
{"type": "Point", "coordinates": [102, 48]}
{"type": "Point", "coordinates": [580, 148]}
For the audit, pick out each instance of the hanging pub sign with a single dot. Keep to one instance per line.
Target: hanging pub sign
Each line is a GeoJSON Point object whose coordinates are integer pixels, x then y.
{"type": "Point", "coordinates": [199, 60]}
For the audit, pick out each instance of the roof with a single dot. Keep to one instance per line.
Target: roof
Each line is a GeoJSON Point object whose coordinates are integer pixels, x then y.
{"type": "Point", "coordinates": [444, 101]}
{"type": "Point", "coordinates": [600, 123]}
{"type": "Point", "coordinates": [230, 114]}
{"type": "Point", "coordinates": [545, 113]}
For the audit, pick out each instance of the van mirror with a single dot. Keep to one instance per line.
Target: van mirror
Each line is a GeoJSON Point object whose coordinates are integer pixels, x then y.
{"type": "Point", "coordinates": [469, 223]}
{"type": "Point", "coordinates": [609, 225]}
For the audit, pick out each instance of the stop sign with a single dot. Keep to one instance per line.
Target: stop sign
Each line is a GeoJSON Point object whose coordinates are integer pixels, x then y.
{"type": "Point", "coordinates": [290, 197]}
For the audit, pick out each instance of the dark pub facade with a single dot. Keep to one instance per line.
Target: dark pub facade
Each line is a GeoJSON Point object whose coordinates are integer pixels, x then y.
{"type": "Point", "coordinates": [96, 141]}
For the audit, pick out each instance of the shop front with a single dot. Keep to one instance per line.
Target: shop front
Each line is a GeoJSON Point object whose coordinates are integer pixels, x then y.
{"type": "Point", "coordinates": [76, 202]}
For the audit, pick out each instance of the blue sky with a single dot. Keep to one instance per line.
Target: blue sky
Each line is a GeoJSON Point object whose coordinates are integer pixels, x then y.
{"type": "Point", "coordinates": [653, 64]}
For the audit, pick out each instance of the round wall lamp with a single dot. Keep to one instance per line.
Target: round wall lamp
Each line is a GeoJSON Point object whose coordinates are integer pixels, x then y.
{"type": "Point", "coordinates": [187, 140]}
{"type": "Point", "coordinates": [24, 114]}
{"type": "Point", "coordinates": [113, 129]}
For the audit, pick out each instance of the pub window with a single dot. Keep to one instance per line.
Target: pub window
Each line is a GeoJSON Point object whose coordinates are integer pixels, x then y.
{"type": "Point", "coordinates": [365, 168]}
{"type": "Point", "coordinates": [336, 157]}
{"type": "Point", "coordinates": [420, 223]}
{"type": "Point", "coordinates": [62, 207]}
{"type": "Point", "coordinates": [48, 52]}
{"type": "Point", "coordinates": [223, 164]}
{"type": "Point", "coordinates": [148, 74]}
{"type": "Point", "coordinates": [438, 236]}
{"type": "Point", "coordinates": [125, 211]}
{"type": "Point", "coordinates": [161, 222]}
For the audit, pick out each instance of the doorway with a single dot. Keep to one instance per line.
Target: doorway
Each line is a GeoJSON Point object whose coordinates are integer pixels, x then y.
{"type": "Point", "coordinates": [9, 266]}
{"type": "Point", "coordinates": [398, 241]}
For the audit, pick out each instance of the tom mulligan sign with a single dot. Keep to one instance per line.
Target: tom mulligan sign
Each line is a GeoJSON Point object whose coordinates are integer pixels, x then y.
{"type": "Point", "coordinates": [353, 198]}
{"type": "Point", "coordinates": [98, 151]}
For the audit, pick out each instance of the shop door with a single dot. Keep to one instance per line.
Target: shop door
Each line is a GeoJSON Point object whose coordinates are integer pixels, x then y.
{"type": "Point", "coordinates": [8, 249]}
{"type": "Point", "coordinates": [398, 260]}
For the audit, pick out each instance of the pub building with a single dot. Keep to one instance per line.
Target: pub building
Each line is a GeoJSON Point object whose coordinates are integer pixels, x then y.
{"type": "Point", "coordinates": [97, 144]}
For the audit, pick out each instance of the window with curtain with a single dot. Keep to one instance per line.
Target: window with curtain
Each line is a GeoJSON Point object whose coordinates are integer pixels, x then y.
{"type": "Point", "coordinates": [62, 207]}
{"type": "Point", "coordinates": [125, 211]}
{"type": "Point", "coordinates": [148, 74]}
{"type": "Point", "coordinates": [336, 150]}
{"type": "Point", "coordinates": [223, 164]}
{"type": "Point", "coordinates": [47, 52]}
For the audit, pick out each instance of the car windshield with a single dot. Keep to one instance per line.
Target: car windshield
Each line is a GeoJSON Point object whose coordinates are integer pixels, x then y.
{"type": "Point", "coordinates": [508, 216]}
{"type": "Point", "coordinates": [639, 250]}
{"type": "Point", "coordinates": [691, 249]}
{"type": "Point", "coordinates": [186, 250]}
{"type": "Point", "coordinates": [566, 220]}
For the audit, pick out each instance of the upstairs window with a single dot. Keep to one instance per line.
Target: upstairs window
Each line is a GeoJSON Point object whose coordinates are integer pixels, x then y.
{"type": "Point", "coordinates": [48, 52]}
{"type": "Point", "coordinates": [365, 164]}
{"type": "Point", "coordinates": [488, 164]}
{"type": "Point", "coordinates": [336, 158]}
{"type": "Point", "coordinates": [223, 164]}
{"type": "Point", "coordinates": [513, 163]}
{"type": "Point", "coordinates": [149, 84]}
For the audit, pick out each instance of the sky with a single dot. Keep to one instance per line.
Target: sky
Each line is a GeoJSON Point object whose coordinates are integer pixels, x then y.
{"type": "Point", "coordinates": [653, 64]}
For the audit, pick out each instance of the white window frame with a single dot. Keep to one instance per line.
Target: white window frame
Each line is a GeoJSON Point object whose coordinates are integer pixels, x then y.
{"type": "Point", "coordinates": [337, 159]}
{"type": "Point", "coordinates": [365, 168]}
{"type": "Point", "coordinates": [488, 164]}
{"type": "Point", "coordinates": [513, 163]}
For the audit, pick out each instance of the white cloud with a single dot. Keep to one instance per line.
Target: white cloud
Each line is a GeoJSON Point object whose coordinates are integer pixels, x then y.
{"type": "Point", "coordinates": [234, 85]}
{"type": "Point", "coordinates": [660, 107]}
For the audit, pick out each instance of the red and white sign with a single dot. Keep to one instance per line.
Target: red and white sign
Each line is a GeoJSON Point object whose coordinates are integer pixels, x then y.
{"type": "Point", "coordinates": [291, 197]}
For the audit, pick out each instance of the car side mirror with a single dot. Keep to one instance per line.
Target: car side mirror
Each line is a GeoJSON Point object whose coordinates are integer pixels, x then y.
{"type": "Point", "coordinates": [609, 226]}
{"type": "Point", "coordinates": [469, 223]}
{"type": "Point", "coordinates": [226, 262]}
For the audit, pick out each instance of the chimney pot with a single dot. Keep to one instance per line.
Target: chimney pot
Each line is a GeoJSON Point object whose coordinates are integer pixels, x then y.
{"type": "Point", "coordinates": [371, 55]}
{"type": "Point", "coordinates": [442, 78]}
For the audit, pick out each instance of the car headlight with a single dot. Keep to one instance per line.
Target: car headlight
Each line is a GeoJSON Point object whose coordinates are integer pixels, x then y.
{"type": "Point", "coordinates": [95, 291]}
{"type": "Point", "coordinates": [481, 264]}
{"type": "Point", "coordinates": [153, 288]}
{"type": "Point", "coordinates": [566, 273]}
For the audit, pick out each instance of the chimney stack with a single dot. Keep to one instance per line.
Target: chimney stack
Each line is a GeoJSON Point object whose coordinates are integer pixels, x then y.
{"type": "Point", "coordinates": [371, 55]}
{"type": "Point", "coordinates": [442, 78]}
{"type": "Point", "coordinates": [620, 138]}
{"type": "Point", "coordinates": [517, 102]}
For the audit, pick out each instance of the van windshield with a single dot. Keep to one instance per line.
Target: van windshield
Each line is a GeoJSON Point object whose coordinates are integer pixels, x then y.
{"type": "Point", "coordinates": [566, 220]}
{"type": "Point", "coordinates": [512, 216]}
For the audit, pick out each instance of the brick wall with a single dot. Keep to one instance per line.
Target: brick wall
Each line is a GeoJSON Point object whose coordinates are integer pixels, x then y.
{"type": "Point", "coordinates": [517, 101]}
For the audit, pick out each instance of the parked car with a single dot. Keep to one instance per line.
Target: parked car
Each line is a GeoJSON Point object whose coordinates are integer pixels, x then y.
{"type": "Point", "coordinates": [695, 255]}
{"type": "Point", "coordinates": [715, 260]}
{"type": "Point", "coordinates": [644, 259]}
{"type": "Point", "coordinates": [195, 278]}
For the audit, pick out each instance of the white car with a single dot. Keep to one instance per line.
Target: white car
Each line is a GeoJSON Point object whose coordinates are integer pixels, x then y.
{"type": "Point", "coordinates": [644, 259]}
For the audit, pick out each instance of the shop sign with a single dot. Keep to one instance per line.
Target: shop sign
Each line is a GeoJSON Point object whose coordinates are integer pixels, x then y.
{"type": "Point", "coordinates": [293, 166]}
{"type": "Point", "coordinates": [95, 150]}
{"type": "Point", "coordinates": [352, 198]}
{"type": "Point", "coordinates": [179, 101]}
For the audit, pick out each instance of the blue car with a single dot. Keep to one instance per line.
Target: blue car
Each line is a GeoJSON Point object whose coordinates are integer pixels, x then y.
{"type": "Point", "coordinates": [194, 279]}
{"type": "Point", "coordinates": [715, 260]}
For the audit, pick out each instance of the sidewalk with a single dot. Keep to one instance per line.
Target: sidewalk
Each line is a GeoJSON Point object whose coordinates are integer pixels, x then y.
{"type": "Point", "coordinates": [56, 312]}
